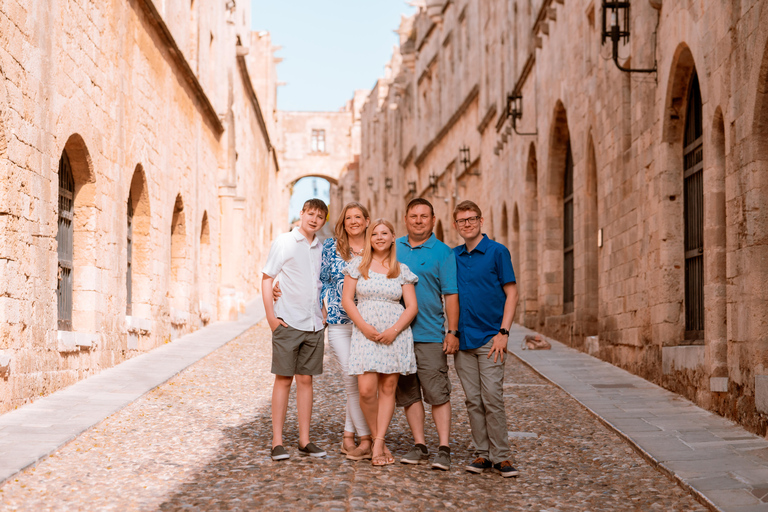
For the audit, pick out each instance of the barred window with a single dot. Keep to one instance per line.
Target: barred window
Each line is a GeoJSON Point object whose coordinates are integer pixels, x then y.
{"type": "Point", "coordinates": [64, 240]}
{"type": "Point", "coordinates": [693, 161]}
{"type": "Point", "coordinates": [568, 265]}
{"type": "Point", "coordinates": [129, 257]}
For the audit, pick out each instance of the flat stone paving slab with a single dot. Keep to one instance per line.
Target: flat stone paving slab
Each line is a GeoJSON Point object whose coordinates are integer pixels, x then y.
{"type": "Point", "coordinates": [718, 461]}
{"type": "Point", "coordinates": [36, 430]}
{"type": "Point", "coordinates": [201, 441]}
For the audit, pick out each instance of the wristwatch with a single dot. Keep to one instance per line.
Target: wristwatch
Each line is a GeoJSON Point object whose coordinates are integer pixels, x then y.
{"type": "Point", "coordinates": [504, 331]}
{"type": "Point", "coordinates": [454, 332]}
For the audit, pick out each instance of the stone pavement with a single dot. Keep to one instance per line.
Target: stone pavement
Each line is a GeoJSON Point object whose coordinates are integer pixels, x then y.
{"type": "Point", "coordinates": [32, 432]}
{"type": "Point", "coordinates": [201, 441]}
{"type": "Point", "coordinates": [722, 464]}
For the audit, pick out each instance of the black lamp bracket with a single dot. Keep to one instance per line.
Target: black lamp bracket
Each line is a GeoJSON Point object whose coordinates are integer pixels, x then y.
{"type": "Point", "coordinates": [618, 31]}
{"type": "Point", "coordinates": [515, 111]}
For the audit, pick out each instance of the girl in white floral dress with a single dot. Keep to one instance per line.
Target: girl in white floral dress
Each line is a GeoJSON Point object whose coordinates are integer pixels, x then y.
{"type": "Point", "coordinates": [382, 342]}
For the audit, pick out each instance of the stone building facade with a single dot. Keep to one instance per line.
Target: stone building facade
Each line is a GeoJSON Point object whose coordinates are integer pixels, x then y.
{"type": "Point", "coordinates": [321, 144]}
{"type": "Point", "coordinates": [136, 157]}
{"type": "Point", "coordinates": [634, 204]}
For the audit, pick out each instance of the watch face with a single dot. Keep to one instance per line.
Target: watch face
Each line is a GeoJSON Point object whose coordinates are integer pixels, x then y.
{"type": "Point", "coordinates": [504, 332]}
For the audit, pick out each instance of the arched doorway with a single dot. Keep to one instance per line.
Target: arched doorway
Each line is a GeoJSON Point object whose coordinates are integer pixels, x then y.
{"type": "Point", "coordinates": [558, 246]}
{"type": "Point", "coordinates": [306, 188]}
{"type": "Point", "coordinates": [530, 236]}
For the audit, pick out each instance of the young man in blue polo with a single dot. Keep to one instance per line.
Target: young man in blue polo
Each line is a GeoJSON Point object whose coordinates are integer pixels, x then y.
{"type": "Point", "coordinates": [487, 302]}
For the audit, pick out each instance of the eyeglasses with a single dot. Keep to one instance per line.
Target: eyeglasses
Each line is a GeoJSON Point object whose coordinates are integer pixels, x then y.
{"type": "Point", "coordinates": [469, 221]}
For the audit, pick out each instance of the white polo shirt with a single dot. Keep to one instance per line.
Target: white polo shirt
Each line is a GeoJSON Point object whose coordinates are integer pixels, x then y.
{"type": "Point", "coordinates": [297, 262]}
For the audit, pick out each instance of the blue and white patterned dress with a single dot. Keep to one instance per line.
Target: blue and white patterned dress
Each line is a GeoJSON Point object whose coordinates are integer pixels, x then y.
{"type": "Point", "coordinates": [378, 301]}
{"type": "Point", "coordinates": [332, 279]}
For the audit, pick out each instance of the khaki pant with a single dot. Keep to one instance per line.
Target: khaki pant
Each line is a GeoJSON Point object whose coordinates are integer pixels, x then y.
{"type": "Point", "coordinates": [483, 383]}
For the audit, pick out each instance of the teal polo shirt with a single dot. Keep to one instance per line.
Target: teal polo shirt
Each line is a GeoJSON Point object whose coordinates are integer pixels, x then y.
{"type": "Point", "coordinates": [482, 274]}
{"type": "Point", "coordinates": [435, 265]}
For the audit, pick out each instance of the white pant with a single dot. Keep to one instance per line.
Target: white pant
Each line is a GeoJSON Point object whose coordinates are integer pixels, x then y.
{"type": "Point", "coordinates": [340, 339]}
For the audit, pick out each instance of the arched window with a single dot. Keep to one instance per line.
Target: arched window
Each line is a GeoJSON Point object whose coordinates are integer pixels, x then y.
{"type": "Point", "coordinates": [568, 264]}
{"type": "Point", "coordinates": [439, 231]}
{"type": "Point", "coordinates": [64, 239]}
{"type": "Point", "coordinates": [129, 257]}
{"type": "Point", "coordinates": [178, 239]}
{"type": "Point", "coordinates": [693, 211]}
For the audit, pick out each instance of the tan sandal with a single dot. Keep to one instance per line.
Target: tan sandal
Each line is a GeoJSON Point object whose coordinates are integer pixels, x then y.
{"type": "Point", "coordinates": [347, 436]}
{"type": "Point", "coordinates": [389, 456]}
{"type": "Point", "coordinates": [379, 460]}
{"type": "Point", "coordinates": [360, 453]}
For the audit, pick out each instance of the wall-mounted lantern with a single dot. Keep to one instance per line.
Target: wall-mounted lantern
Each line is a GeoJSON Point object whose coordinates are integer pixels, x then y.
{"type": "Point", "coordinates": [353, 190]}
{"type": "Point", "coordinates": [388, 183]}
{"type": "Point", "coordinates": [433, 183]}
{"type": "Point", "coordinates": [515, 111]}
{"type": "Point", "coordinates": [412, 187]}
{"type": "Point", "coordinates": [466, 161]}
{"type": "Point", "coordinates": [370, 181]}
{"type": "Point", "coordinates": [464, 157]}
{"type": "Point", "coordinates": [616, 28]}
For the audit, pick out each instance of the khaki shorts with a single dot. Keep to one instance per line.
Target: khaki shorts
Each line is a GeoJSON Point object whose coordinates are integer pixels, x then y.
{"type": "Point", "coordinates": [296, 352]}
{"type": "Point", "coordinates": [431, 377]}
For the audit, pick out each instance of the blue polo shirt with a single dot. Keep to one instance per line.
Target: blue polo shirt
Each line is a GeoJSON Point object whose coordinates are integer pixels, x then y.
{"type": "Point", "coordinates": [435, 265]}
{"type": "Point", "coordinates": [482, 274]}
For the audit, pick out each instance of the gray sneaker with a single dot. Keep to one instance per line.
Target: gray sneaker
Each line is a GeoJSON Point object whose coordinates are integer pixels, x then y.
{"type": "Point", "coordinates": [417, 455]}
{"type": "Point", "coordinates": [312, 450]}
{"type": "Point", "coordinates": [280, 453]}
{"type": "Point", "coordinates": [443, 459]}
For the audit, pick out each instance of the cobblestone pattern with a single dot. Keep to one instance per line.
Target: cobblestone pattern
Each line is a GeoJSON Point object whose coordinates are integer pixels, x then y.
{"type": "Point", "coordinates": [201, 442]}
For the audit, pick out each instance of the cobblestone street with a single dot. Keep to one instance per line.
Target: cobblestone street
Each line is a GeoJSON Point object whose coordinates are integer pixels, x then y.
{"type": "Point", "coordinates": [201, 441]}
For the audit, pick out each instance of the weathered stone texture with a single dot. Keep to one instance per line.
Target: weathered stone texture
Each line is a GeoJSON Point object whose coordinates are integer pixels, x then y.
{"type": "Point", "coordinates": [143, 97]}
{"type": "Point", "coordinates": [447, 87]}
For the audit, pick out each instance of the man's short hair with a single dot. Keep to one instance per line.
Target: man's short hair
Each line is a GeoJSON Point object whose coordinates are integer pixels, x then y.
{"type": "Point", "coordinates": [466, 206]}
{"type": "Point", "coordinates": [417, 201]}
{"type": "Point", "coordinates": [315, 204]}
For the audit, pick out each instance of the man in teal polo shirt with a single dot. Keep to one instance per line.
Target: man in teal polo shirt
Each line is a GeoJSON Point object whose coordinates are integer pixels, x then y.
{"type": "Point", "coordinates": [435, 265]}
{"type": "Point", "coordinates": [488, 296]}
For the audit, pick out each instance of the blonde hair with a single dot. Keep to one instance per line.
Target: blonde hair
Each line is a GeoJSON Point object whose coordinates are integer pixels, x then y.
{"type": "Point", "coordinates": [342, 239]}
{"type": "Point", "coordinates": [365, 264]}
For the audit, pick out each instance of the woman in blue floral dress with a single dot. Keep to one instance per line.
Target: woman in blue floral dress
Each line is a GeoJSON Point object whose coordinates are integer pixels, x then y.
{"type": "Point", "coordinates": [382, 342]}
{"type": "Point", "coordinates": [337, 252]}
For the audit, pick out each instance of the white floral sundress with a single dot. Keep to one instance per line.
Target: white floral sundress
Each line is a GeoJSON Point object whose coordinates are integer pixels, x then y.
{"type": "Point", "coordinates": [378, 301]}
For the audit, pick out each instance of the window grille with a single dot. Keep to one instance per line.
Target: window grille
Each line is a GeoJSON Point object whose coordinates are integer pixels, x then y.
{"type": "Point", "coordinates": [64, 240]}
{"type": "Point", "coordinates": [694, 216]}
{"type": "Point", "coordinates": [318, 141]}
{"type": "Point", "coordinates": [129, 266]}
{"type": "Point", "coordinates": [568, 264]}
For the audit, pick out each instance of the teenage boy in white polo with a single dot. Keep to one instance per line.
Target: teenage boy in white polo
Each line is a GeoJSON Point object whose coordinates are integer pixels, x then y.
{"type": "Point", "coordinates": [487, 299]}
{"type": "Point", "coordinates": [296, 320]}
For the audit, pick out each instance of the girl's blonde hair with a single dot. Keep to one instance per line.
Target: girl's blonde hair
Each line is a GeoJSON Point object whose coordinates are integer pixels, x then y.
{"type": "Point", "coordinates": [342, 239]}
{"type": "Point", "coordinates": [365, 264]}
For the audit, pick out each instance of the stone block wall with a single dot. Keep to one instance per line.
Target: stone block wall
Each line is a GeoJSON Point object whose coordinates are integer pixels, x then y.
{"type": "Point", "coordinates": [141, 97]}
{"type": "Point", "coordinates": [448, 88]}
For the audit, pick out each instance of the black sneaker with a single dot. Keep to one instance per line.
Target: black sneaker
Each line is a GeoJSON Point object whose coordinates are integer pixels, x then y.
{"type": "Point", "coordinates": [479, 465]}
{"type": "Point", "coordinates": [280, 453]}
{"type": "Point", "coordinates": [505, 469]}
{"type": "Point", "coordinates": [312, 450]}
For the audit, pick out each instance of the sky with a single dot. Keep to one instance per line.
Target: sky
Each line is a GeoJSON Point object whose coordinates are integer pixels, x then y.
{"type": "Point", "coordinates": [330, 48]}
